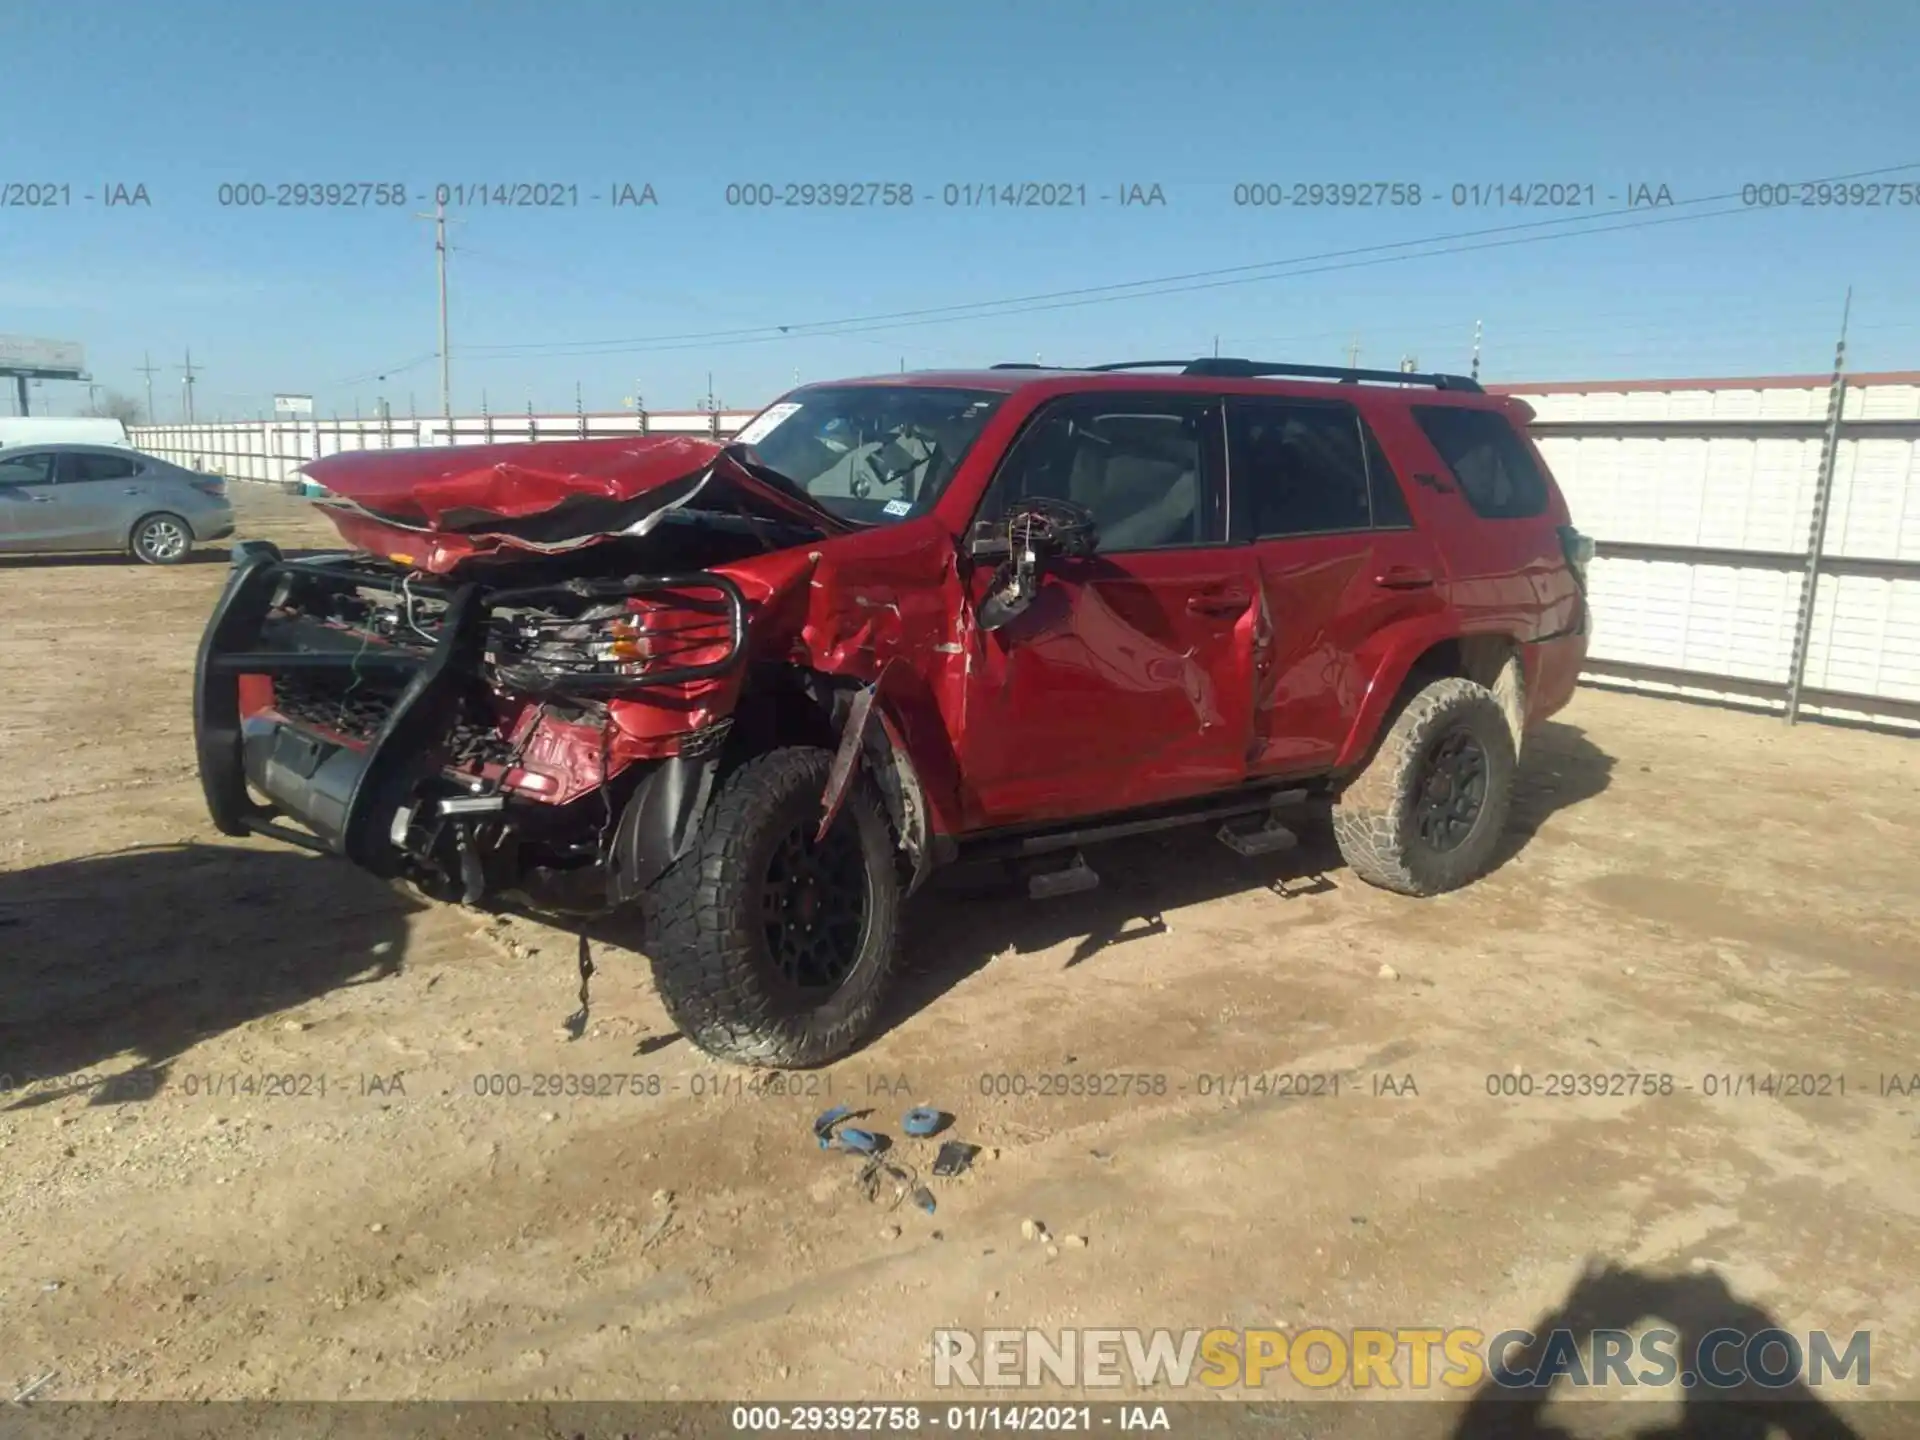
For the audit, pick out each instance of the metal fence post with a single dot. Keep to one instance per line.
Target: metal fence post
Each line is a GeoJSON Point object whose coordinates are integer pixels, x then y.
{"type": "Point", "coordinates": [1817, 531]}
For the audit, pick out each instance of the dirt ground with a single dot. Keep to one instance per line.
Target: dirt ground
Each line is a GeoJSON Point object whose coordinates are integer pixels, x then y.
{"type": "Point", "coordinates": [1687, 892]}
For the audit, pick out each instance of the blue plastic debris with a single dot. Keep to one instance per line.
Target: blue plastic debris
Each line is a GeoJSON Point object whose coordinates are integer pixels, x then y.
{"type": "Point", "coordinates": [923, 1120]}
{"type": "Point", "coordinates": [861, 1142]}
{"type": "Point", "coordinates": [824, 1122]}
{"type": "Point", "coordinates": [832, 1134]}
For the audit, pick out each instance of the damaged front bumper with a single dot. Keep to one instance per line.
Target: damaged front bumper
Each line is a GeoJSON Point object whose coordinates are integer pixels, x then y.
{"type": "Point", "coordinates": [394, 797]}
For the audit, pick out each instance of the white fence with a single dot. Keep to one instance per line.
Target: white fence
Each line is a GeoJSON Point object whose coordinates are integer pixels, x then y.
{"type": "Point", "coordinates": [1701, 494]}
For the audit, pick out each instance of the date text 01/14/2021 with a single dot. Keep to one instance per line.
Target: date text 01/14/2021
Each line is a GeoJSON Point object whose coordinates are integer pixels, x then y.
{"type": "Point", "coordinates": [700, 1085]}
{"type": "Point", "coordinates": [1120, 1084]}
{"type": "Point", "coordinates": [1408, 194]}
{"type": "Point", "coordinates": [969, 195]}
{"type": "Point", "coordinates": [910, 1419]}
{"type": "Point", "coordinates": [386, 195]}
{"type": "Point", "coordinates": [59, 195]}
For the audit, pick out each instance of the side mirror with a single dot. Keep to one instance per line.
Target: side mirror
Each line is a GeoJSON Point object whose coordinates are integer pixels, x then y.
{"type": "Point", "coordinates": [1035, 531]}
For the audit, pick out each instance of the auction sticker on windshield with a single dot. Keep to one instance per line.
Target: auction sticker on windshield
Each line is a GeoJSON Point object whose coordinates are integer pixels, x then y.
{"type": "Point", "coordinates": [766, 423]}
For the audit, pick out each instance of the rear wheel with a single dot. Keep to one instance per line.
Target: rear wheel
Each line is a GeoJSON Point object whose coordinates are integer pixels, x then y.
{"type": "Point", "coordinates": [161, 539]}
{"type": "Point", "coordinates": [1427, 812]}
{"type": "Point", "coordinates": [770, 948]}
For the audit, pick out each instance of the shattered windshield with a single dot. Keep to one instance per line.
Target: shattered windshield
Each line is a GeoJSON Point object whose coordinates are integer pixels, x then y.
{"type": "Point", "coordinates": [870, 453]}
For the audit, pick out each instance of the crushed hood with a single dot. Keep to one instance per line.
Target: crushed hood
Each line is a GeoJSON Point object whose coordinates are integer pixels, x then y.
{"type": "Point", "coordinates": [434, 509]}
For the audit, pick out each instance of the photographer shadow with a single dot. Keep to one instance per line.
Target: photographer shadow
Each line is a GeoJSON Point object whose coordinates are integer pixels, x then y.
{"type": "Point", "coordinates": [1694, 1306]}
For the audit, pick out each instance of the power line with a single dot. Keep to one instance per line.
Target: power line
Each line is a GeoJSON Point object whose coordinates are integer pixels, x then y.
{"type": "Point", "coordinates": [1163, 285]}
{"type": "Point", "coordinates": [384, 371]}
{"type": "Point", "coordinates": [581, 283]}
{"type": "Point", "coordinates": [1087, 299]}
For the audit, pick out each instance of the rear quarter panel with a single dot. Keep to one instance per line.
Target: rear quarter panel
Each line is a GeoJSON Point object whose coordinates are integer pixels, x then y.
{"type": "Point", "coordinates": [1503, 578]}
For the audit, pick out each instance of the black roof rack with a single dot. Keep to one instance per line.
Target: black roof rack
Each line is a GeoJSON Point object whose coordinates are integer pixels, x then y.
{"type": "Point", "coordinates": [1226, 368]}
{"type": "Point", "coordinates": [1251, 369]}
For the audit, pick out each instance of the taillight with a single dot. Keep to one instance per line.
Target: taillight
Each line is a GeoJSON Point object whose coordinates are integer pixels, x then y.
{"type": "Point", "coordinates": [209, 485]}
{"type": "Point", "coordinates": [1579, 552]}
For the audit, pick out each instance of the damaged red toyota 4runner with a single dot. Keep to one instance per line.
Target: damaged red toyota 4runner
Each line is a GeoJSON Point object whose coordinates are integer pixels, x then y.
{"type": "Point", "coordinates": [752, 693]}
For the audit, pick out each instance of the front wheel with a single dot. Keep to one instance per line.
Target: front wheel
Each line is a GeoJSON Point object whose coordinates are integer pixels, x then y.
{"type": "Point", "coordinates": [161, 540]}
{"type": "Point", "coordinates": [769, 948]}
{"type": "Point", "coordinates": [1427, 812]}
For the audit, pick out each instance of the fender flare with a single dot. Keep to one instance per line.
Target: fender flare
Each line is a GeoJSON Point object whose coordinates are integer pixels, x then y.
{"type": "Point", "coordinates": [1395, 650]}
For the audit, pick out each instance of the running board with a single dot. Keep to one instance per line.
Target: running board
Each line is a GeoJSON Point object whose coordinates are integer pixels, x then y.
{"type": "Point", "coordinates": [1267, 839]}
{"type": "Point", "coordinates": [1072, 878]}
{"type": "Point", "coordinates": [1023, 845]}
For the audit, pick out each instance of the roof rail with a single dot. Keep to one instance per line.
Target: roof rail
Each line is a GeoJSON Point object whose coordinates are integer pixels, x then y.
{"type": "Point", "coordinates": [1252, 369]}
{"type": "Point", "coordinates": [1225, 368]}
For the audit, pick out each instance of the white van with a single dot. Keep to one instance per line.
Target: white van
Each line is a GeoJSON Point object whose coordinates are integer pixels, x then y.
{"type": "Point", "coordinates": [61, 430]}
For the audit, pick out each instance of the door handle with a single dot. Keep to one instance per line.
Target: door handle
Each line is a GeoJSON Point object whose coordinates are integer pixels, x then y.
{"type": "Point", "coordinates": [1218, 602]}
{"type": "Point", "coordinates": [41, 499]}
{"type": "Point", "coordinates": [1403, 577]}
{"type": "Point", "coordinates": [133, 490]}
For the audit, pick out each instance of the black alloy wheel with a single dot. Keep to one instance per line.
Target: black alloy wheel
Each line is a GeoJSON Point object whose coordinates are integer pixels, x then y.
{"type": "Point", "coordinates": [1453, 790]}
{"type": "Point", "coordinates": [813, 905]}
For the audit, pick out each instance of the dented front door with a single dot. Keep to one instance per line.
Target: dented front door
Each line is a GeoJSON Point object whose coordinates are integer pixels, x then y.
{"type": "Point", "coordinates": [1128, 680]}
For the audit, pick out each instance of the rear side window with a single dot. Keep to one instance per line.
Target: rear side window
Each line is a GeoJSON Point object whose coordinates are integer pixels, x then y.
{"type": "Point", "coordinates": [1309, 470]}
{"type": "Point", "coordinates": [1389, 500]}
{"type": "Point", "coordinates": [82, 466]}
{"type": "Point", "coordinates": [1494, 469]}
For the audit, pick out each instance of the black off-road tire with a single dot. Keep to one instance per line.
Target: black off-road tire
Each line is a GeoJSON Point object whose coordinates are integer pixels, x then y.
{"type": "Point", "coordinates": [713, 962]}
{"type": "Point", "coordinates": [1377, 818]}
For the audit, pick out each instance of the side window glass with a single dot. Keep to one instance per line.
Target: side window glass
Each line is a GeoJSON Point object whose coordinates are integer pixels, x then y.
{"type": "Point", "coordinates": [1492, 466]}
{"type": "Point", "coordinates": [1301, 469]}
{"type": "Point", "coordinates": [1137, 463]}
{"type": "Point", "coordinates": [1389, 500]}
{"type": "Point", "coordinates": [100, 467]}
{"type": "Point", "coordinates": [27, 470]}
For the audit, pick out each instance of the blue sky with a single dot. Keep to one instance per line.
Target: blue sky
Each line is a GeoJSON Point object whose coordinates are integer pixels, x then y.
{"type": "Point", "coordinates": [1700, 97]}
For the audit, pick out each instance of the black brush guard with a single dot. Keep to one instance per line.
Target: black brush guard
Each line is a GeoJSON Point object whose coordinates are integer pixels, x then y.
{"type": "Point", "coordinates": [347, 797]}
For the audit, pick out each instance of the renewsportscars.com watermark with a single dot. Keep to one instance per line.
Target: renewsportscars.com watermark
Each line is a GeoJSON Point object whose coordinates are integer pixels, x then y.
{"type": "Point", "coordinates": [1402, 1358]}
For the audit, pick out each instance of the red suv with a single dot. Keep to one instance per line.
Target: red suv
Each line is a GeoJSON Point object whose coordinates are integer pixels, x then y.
{"type": "Point", "coordinates": [755, 692]}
